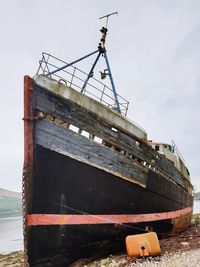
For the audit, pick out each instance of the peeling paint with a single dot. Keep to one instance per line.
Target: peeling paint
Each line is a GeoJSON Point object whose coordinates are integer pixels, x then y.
{"type": "Point", "coordinates": [92, 105]}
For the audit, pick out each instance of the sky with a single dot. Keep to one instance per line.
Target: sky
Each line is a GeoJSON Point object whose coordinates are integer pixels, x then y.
{"type": "Point", "coordinates": [154, 52]}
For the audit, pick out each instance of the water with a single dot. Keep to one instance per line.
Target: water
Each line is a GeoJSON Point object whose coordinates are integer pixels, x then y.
{"type": "Point", "coordinates": [196, 208]}
{"type": "Point", "coordinates": [11, 234]}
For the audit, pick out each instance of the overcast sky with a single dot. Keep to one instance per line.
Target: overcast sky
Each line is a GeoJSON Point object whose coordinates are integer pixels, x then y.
{"type": "Point", "coordinates": [154, 52]}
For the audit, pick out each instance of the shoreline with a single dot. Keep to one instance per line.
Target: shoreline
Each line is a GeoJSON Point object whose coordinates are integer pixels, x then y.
{"type": "Point", "coordinates": [12, 259]}
{"type": "Point", "coordinates": [11, 234]}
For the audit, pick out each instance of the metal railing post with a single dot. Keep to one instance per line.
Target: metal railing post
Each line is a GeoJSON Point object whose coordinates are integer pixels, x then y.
{"type": "Point", "coordinates": [72, 76]}
{"type": "Point", "coordinates": [112, 83]}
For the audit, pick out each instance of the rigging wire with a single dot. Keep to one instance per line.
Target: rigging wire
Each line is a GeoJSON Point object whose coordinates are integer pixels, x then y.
{"type": "Point", "coordinates": [107, 220]}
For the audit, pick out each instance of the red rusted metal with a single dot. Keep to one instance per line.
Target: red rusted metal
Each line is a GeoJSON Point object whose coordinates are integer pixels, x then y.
{"type": "Point", "coordinates": [28, 156]}
{"type": "Point", "coordinates": [28, 125]}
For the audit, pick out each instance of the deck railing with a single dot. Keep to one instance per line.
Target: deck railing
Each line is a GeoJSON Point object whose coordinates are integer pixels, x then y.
{"type": "Point", "coordinates": [75, 78]}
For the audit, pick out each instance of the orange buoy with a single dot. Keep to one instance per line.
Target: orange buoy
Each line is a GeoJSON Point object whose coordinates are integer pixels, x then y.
{"type": "Point", "coordinates": [143, 245]}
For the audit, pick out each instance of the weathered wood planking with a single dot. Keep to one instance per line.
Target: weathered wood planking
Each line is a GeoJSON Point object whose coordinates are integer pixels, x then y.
{"type": "Point", "coordinates": [50, 103]}
{"type": "Point", "coordinates": [69, 143]}
{"type": "Point", "coordinates": [166, 188]}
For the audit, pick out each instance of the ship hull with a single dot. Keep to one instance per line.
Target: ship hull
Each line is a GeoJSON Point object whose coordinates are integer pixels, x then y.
{"type": "Point", "coordinates": [81, 198]}
{"type": "Point", "coordinates": [64, 188]}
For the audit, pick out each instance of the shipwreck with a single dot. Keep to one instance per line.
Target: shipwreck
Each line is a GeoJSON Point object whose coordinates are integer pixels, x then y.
{"type": "Point", "coordinates": [91, 177]}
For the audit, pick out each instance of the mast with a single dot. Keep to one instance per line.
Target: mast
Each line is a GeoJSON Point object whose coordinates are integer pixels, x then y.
{"type": "Point", "coordinates": [100, 51]}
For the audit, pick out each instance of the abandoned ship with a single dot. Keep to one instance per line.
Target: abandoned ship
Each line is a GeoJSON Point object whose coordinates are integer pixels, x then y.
{"type": "Point", "coordinates": [91, 177]}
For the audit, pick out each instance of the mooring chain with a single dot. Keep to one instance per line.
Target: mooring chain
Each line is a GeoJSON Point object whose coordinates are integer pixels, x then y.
{"type": "Point", "coordinates": [24, 217]}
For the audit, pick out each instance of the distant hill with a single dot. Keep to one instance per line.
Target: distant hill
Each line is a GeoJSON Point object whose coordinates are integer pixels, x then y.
{"type": "Point", "coordinates": [10, 203]}
{"type": "Point", "coordinates": [197, 196]}
{"type": "Point", "coordinates": [7, 193]}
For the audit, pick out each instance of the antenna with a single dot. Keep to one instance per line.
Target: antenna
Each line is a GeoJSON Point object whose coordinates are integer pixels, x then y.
{"type": "Point", "coordinates": [101, 51]}
{"type": "Point", "coordinates": [107, 17]}
{"type": "Point", "coordinates": [104, 30]}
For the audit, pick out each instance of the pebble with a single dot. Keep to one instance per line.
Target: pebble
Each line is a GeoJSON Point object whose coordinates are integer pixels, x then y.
{"type": "Point", "coordinates": [184, 259]}
{"type": "Point", "coordinates": [179, 259]}
{"type": "Point", "coordinates": [185, 243]}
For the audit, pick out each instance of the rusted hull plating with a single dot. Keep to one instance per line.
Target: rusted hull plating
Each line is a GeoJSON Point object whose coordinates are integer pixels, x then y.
{"type": "Point", "coordinates": [84, 197]}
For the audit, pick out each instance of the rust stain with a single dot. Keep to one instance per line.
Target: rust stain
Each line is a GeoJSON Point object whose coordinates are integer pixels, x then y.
{"type": "Point", "coordinates": [182, 222]}
{"type": "Point", "coordinates": [28, 144]}
{"type": "Point", "coordinates": [28, 125]}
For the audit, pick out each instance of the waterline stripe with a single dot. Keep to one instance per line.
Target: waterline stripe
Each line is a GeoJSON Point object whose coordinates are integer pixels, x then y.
{"type": "Point", "coordinates": [76, 219]}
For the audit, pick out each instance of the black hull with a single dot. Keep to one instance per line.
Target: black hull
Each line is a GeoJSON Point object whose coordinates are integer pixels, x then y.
{"type": "Point", "coordinates": [89, 242]}
{"type": "Point", "coordinates": [82, 198]}
{"type": "Point", "coordinates": [63, 185]}
{"type": "Point", "coordinates": [73, 187]}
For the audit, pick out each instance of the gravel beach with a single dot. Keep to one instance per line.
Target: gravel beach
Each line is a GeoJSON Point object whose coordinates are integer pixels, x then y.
{"type": "Point", "coordinates": [179, 259]}
{"type": "Point", "coordinates": [11, 259]}
{"type": "Point", "coordinates": [177, 251]}
{"type": "Point", "coordinates": [181, 250]}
